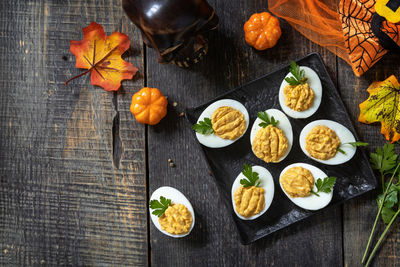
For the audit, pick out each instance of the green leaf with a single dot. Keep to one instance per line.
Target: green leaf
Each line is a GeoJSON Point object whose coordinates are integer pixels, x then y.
{"type": "Point", "coordinates": [262, 115]}
{"type": "Point", "coordinates": [204, 127]}
{"type": "Point", "coordinates": [252, 177]}
{"type": "Point", "coordinates": [298, 75]}
{"type": "Point", "coordinates": [164, 201]}
{"type": "Point", "coordinates": [390, 201]}
{"type": "Point", "coordinates": [353, 144]}
{"type": "Point", "coordinates": [356, 144]}
{"type": "Point", "coordinates": [387, 214]}
{"type": "Point", "coordinates": [391, 197]}
{"type": "Point", "coordinates": [324, 185]}
{"type": "Point", "coordinates": [384, 159]}
{"type": "Point", "coordinates": [159, 207]}
{"type": "Point", "coordinates": [314, 193]}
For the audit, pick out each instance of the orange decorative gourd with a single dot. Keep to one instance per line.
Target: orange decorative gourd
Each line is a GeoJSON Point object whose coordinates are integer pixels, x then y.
{"type": "Point", "coordinates": [262, 31]}
{"type": "Point", "coordinates": [149, 106]}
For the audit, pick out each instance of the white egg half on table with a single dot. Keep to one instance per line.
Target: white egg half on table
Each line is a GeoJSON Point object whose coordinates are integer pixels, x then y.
{"type": "Point", "coordinates": [176, 198]}
{"type": "Point", "coordinates": [284, 125]}
{"type": "Point", "coordinates": [266, 182]}
{"type": "Point", "coordinates": [213, 140]}
{"type": "Point", "coordinates": [315, 84]}
{"type": "Point", "coordinates": [342, 132]}
{"type": "Point", "coordinates": [311, 202]}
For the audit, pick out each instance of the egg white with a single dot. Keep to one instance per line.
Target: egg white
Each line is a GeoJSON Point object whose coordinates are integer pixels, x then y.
{"type": "Point", "coordinates": [284, 125]}
{"type": "Point", "coordinates": [213, 140]}
{"type": "Point", "coordinates": [342, 132]}
{"type": "Point", "coordinates": [315, 84]}
{"type": "Point", "coordinates": [176, 198]}
{"type": "Point", "coordinates": [312, 202]}
{"type": "Point", "coordinates": [266, 182]}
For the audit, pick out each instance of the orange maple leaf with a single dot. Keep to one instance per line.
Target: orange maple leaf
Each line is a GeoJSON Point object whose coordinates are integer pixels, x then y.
{"type": "Point", "coordinates": [101, 56]}
{"type": "Point", "coordinates": [383, 105]}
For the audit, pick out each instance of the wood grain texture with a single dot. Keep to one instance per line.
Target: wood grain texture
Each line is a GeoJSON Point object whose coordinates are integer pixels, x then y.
{"type": "Point", "coordinates": [214, 240]}
{"type": "Point", "coordinates": [359, 214]}
{"type": "Point", "coordinates": [72, 160]}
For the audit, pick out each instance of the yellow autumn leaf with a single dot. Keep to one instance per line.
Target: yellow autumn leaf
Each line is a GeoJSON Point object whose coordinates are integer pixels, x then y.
{"type": "Point", "coordinates": [383, 105]}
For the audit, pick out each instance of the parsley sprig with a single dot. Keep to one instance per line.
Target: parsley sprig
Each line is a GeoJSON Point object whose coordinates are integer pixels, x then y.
{"type": "Point", "coordinates": [252, 177]}
{"type": "Point", "coordinates": [353, 144]}
{"type": "Point", "coordinates": [324, 185]}
{"type": "Point", "coordinates": [388, 209]}
{"type": "Point", "coordinates": [262, 115]}
{"type": "Point", "coordinates": [204, 127]}
{"type": "Point", "coordinates": [159, 207]}
{"type": "Point", "coordinates": [298, 75]}
{"type": "Point", "coordinates": [386, 161]}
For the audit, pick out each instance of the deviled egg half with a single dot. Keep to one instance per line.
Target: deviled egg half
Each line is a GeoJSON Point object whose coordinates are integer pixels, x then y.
{"type": "Point", "coordinates": [252, 192]}
{"type": "Point", "coordinates": [171, 212]}
{"type": "Point", "coordinates": [300, 93]}
{"type": "Point", "coordinates": [328, 142]}
{"type": "Point", "coordinates": [221, 123]}
{"type": "Point", "coordinates": [271, 136]}
{"type": "Point", "coordinates": [307, 186]}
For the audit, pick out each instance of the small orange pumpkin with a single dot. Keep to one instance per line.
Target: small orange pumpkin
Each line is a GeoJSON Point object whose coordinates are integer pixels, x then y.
{"type": "Point", "coordinates": [262, 31]}
{"type": "Point", "coordinates": [149, 106]}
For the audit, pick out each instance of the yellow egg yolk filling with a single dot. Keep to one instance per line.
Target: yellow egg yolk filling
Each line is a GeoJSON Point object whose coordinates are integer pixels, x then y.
{"type": "Point", "coordinates": [270, 144]}
{"type": "Point", "coordinates": [249, 201]}
{"type": "Point", "coordinates": [176, 220]}
{"type": "Point", "coordinates": [322, 142]}
{"type": "Point", "coordinates": [299, 97]}
{"type": "Point", "coordinates": [297, 182]}
{"type": "Point", "coordinates": [228, 123]}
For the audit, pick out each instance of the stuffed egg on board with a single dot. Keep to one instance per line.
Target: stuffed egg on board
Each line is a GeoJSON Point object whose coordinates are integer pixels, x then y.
{"type": "Point", "coordinates": [176, 197]}
{"type": "Point", "coordinates": [284, 125]}
{"type": "Point", "coordinates": [342, 132]}
{"type": "Point", "coordinates": [311, 202]}
{"type": "Point", "coordinates": [266, 182]}
{"type": "Point", "coordinates": [314, 83]}
{"type": "Point", "coordinates": [212, 140]}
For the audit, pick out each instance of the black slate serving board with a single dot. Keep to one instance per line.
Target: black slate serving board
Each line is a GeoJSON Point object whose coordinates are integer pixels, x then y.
{"type": "Point", "coordinates": [353, 178]}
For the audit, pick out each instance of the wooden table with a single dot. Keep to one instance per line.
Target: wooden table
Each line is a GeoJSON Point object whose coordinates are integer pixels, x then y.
{"type": "Point", "coordinates": [76, 169]}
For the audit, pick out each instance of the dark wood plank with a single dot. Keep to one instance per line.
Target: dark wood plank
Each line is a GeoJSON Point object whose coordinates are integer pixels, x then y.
{"type": "Point", "coordinates": [64, 199]}
{"type": "Point", "coordinates": [359, 214]}
{"type": "Point", "coordinates": [214, 240]}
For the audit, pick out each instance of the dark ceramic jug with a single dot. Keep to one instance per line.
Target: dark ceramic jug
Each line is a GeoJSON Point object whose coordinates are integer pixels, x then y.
{"type": "Point", "coordinates": [174, 28]}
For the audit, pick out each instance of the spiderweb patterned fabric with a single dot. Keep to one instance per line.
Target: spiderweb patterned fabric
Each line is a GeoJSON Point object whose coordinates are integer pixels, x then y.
{"type": "Point", "coordinates": [362, 45]}
{"type": "Point", "coordinates": [344, 28]}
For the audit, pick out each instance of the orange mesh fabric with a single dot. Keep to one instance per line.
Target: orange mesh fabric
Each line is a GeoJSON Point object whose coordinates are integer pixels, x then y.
{"type": "Point", "coordinates": [317, 20]}
{"type": "Point", "coordinates": [344, 28]}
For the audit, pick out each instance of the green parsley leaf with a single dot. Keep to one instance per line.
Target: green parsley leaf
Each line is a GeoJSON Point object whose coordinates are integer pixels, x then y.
{"type": "Point", "coordinates": [298, 75]}
{"type": "Point", "coordinates": [324, 185]}
{"type": "Point", "coordinates": [262, 115]}
{"type": "Point", "coordinates": [384, 159]}
{"type": "Point", "coordinates": [203, 127]}
{"type": "Point", "coordinates": [353, 144]}
{"type": "Point", "coordinates": [391, 196]}
{"type": "Point", "coordinates": [356, 144]}
{"type": "Point", "coordinates": [386, 162]}
{"type": "Point", "coordinates": [387, 214]}
{"type": "Point", "coordinates": [159, 207]}
{"type": "Point", "coordinates": [252, 177]}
